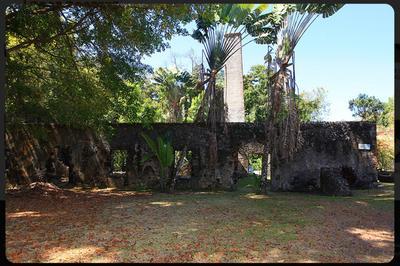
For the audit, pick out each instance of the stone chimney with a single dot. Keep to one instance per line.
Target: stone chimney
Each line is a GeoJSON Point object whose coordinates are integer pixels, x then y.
{"type": "Point", "coordinates": [233, 91]}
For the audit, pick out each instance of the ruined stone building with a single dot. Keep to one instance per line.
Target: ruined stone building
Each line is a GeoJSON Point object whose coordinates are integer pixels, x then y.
{"type": "Point", "coordinates": [327, 144]}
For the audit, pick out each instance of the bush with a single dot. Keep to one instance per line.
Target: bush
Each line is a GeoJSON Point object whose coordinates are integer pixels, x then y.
{"type": "Point", "coordinates": [385, 148]}
{"type": "Point", "coordinates": [385, 155]}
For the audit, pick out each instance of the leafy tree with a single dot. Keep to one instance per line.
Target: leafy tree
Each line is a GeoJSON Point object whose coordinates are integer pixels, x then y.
{"type": "Point", "coordinates": [385, 137]}
{"type": "Point", "coordinates": [312, 106]}
{"type": "Point", "coordinates": [368, 108]}
{"type": "Point", "coordinates": [255, 98]}
{"type": "Point", "coordinates": [82, 64]}
{"type": "Point", "coordinates": [175, 90]}
{"type": "Point", "coordinates": [387, 117]}
{"type": "Point", "coordinates": [385, 153]}
{"type": "Point", "coordinates": [256, 162]}
{"type": "Point", "coordinates": [194, 107]}
{"type": "Point", "coordinates": [134, 105]}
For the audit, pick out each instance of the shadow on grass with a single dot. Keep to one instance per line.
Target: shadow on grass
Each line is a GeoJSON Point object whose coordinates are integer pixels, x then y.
{"type": "Point", "coordinates": [127, 226]}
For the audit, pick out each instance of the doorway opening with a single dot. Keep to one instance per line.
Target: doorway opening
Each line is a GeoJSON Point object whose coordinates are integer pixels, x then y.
{"type": "Point", "coordinates": [183, 165]}
{"type": "Point", "coordinates": [118, 158]}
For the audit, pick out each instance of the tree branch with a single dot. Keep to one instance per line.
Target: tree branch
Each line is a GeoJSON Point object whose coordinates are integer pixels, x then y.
{"type": "Point", "coordinates": [61, 33]}
{"type": "Point", "coordinates": [43, 10]}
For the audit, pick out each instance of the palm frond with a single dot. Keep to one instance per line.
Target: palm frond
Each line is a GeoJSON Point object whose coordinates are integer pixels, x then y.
{"type": "Point", "coordinates": [326, 10]}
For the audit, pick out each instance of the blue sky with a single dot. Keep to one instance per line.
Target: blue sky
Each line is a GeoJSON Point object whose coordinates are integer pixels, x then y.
{"type": "Point", "coordinates": [348, 53]}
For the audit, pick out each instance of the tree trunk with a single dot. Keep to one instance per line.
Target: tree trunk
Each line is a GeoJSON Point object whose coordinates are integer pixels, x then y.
{"type": "Point", "coordinates": [264, 170]}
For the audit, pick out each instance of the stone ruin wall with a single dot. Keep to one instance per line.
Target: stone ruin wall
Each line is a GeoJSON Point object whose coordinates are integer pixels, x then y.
{"type": "Point", "coordinates": [332, 145]}
{"type": "Point", "coordinates": [28, 148]}
{"type": "Point", "coordinates": [196, 138]}
{"type": "Point", "coordinates": [326, 145]}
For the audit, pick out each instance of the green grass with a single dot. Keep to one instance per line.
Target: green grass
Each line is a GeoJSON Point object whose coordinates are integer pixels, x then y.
{"type": "Point", "coordinates": [213, 226]}
{"type": "Point", "coordinates": [249, 183]}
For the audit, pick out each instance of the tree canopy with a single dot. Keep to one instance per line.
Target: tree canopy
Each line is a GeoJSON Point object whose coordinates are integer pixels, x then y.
{"type": "Point", "coordinates": [82, 64]}
{"type": "Point", "coordinates": [312, 105]}
{"type": "Point", "coordinates": [368, 108]}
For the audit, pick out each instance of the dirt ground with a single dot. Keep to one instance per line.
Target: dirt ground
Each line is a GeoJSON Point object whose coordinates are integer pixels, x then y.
{"type": "Point", "coordinates": [126, 226]}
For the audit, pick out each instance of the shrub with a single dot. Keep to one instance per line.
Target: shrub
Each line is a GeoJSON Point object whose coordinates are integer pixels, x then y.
{"type": "Point", "coordinates": [385, 155]}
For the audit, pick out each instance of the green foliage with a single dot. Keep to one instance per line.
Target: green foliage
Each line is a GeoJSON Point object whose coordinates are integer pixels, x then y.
{"type": "Point", "coordinates": [387, 117]}
{"type": "Point", "coordinates": [52, 90]}
{"type": "Point", "coordinates": [214, 42]}
{"type": "Point", "coordinates": [194, 107]}
{"type": "Point", "coordinates": [119, 160]}
{"type": "Point", "coordinates": [232, 14]}
{"type": "Point", "coordinates": [162, 149]}
{"type": "Point", "coordinates": [264, 27]}
{"type": "Point", "coordinates": [211, 32]}
{"type": "Point", "coordinates": [385, 137]}
{"type": "Point", "coordinates": [39, 133]}
{"type": "Point", "coordinates": [236, 14]}
{"type": "Point", "coordinates": [174, 90]}
{"type": "Point", "coordinates": [325, 9]}
{"type": "Point", "coordinates": [368, 108]}
{"type": "Point", "coordinates": [82, 64]}
{"type": "Point", "coordinates": [164, 153]}
{"type": "Point", "coordinates": [255, 96]}
{"type": "Point", "coordinates": [134, 104]}
{"type": "Point", "coordinates": [256, 162]}
{"type": "Point", "coordinates": [385, 155]}
{"type": "Point", "coordinates": [312, 105]}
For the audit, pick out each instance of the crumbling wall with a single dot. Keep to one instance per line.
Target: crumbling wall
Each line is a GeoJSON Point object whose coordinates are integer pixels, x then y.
{"type": "Point", "coordinates": [28, 147]}
{"type": "Point", "coordinates": [230, 137]}
{"type": "Point", "coordinates": [326, 144]}
{"type": "Point", "coordinates": [333, 145]}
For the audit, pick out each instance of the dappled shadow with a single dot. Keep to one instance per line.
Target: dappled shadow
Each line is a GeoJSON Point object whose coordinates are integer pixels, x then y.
{"type": "Point", "coordinates": [166, 203]}
{"type": "Point", "coordinates": [365, 231]}
{"type": "Point", "coordinates": [127, 226]}
{"type": "Point", "coordinates": [377, 238]}
{"type": "Point", "coordinates": [362, 203]}
{"type": "Point", "coordinates": [255, 196]}
{"type": "Point", "coordinates": [27, 214]}
{"type": "Point", "coordinates": [198, 193]}
{"type": "Point", "coordinates": [89, 253]}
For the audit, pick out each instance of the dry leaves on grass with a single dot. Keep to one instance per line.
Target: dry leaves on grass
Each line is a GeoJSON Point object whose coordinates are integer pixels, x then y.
{"type": "Point", "coordinates": [121, 226]}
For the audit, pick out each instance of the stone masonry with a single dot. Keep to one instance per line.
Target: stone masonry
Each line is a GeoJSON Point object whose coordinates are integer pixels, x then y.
{"type": "Point", "coordinates": [233, 91]}
{"type": "Point", "coordinates": [326, 144]}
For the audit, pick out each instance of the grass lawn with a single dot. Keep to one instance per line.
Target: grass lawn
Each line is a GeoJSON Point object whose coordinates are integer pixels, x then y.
{"type": "Point", "coordinates": [126, 226]}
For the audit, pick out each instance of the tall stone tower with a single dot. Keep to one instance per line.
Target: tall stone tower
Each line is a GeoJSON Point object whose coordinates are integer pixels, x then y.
{"type": "Point", "coordinates": [233, 91]}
